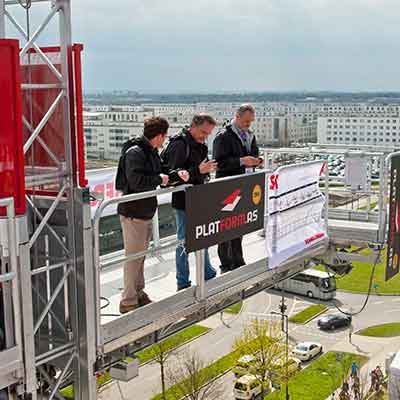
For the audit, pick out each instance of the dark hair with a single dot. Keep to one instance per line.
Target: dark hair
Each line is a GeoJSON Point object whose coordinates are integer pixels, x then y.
{"type": "Point", "coordinates": [245, 108]}
{"type": "Point", "coordinates": [155, 126]}
{"type": "Point", "coordinates": [200, 119]}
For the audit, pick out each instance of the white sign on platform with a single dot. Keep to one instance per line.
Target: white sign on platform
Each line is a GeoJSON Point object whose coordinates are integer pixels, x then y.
{"type": "Point", "coordinates": [356, 172]}
{"type": "Point", "coordinates": [295, 206]}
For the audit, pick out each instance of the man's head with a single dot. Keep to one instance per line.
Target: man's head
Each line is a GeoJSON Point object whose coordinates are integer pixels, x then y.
{"type": "Point", "coordinates": [202, 126]}
{"type": "Point", "coordinates": [245, 116]}
{"type": "Point", "coordinates": [155, 130]}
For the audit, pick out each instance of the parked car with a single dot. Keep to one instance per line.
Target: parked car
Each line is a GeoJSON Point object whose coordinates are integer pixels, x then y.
{"type": "Point", "coordinates": [248, 387]}
{"type": "Point", "coordinates": [305, 351]}
{"type": "Point", "coordinates": [334, 321]}
{"type": "Point", "coordinates": [242, 366]}
{"type": "Point", "coordinates": [294, 366]}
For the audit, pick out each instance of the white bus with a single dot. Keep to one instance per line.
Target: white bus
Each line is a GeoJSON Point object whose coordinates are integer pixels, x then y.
{"type": "Point", "coordinates": [311, 283]}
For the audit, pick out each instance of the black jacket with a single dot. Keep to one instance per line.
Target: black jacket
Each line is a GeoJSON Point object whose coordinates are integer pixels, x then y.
{"type": "Point", "coordinates": [177, 160]}
{"type": "Point", "coordinates": [227, 151]}
{"type": "Point", "coordinates": [142, 171]}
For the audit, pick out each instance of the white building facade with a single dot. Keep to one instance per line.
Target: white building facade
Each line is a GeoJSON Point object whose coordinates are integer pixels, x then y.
{"type": "Point", "coordinates": [277, 124]}
{"type": "Point", "coordinates": [361, 124]}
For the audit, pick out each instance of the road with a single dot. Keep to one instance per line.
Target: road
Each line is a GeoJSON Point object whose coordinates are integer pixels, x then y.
{"type": "Point", "coordinates": [220, 340]}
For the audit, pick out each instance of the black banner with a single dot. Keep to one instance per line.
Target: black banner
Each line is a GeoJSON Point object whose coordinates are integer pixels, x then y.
{"type": "Point", "coordinates": [393, 248]}
{"type": "Point", "coordinates": [224, 210]}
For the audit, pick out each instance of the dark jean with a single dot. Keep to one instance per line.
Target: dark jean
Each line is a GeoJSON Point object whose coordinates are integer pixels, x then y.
{"type": "Point", "coordinates": [182, 262]}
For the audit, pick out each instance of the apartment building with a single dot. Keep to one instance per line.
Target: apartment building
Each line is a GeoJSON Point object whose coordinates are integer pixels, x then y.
{"type": "Point", "coordinates": [277, 124]}
{"type": "Point", "coordinates": [364, 124]}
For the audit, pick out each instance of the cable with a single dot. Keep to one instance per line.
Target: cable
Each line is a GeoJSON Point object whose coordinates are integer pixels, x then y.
{"type": "Point", "coordinates": [110, 315]}
{"type": "Point", "coordinates": [236, 317]}
{"type": "Point", "coordinates": [27, 5]}
{"type": "Point", "coordinates": [105, 305]}
{"type": "Point", "coordinates": [369, 289]}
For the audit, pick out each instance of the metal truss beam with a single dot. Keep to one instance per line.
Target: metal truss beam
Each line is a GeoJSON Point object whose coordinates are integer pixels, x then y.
{"type": "Point", "coordinates": [43, 122]}
{"type": "Point", "coordinates": [48, 214]}
{"type": "Point", "coordinates": [41, 142]}
{"type": "Point", "coordinates": [35, 46]}
{"type": "Point", "coordinates": [50, 280]}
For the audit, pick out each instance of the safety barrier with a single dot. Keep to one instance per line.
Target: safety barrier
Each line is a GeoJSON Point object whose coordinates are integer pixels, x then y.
{"type": "Point", "coordinates": [354, 226]}
{"type": "Point", "coordinates": [11, 355]}
{"type": "Point", "coordinates": [194, 303]}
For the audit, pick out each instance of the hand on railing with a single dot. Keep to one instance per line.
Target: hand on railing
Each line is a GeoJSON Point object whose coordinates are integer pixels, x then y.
{"type": "Point", "coordinates": [165, 179]}
{"type": "Point", "coordinates": [184, 175]}
{"type": "Point", "coordinates": [250, 161]}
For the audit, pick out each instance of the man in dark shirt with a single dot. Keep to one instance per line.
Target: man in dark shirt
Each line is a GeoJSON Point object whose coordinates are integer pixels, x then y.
{"type": "Point", "coordinates": [140, 169]}
{"type": "Point", "coordinates": [236, 152]}
{"type": "Point", "coordinates": [191, 154]}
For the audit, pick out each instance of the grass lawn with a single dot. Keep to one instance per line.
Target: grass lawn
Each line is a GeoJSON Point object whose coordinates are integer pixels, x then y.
{"type": "Point", "coordinates": [358, 280]}
{"type": "Point", "coordinates": [309, 312]}
{"type": "Point", "coordinates": [147, 354]}
{"type": "Point", "coordinates": [385, 330]}
{"type": "Point", "coordinates": [319, 379]}
{"type": "Point", "coordinates": [234, 308]}
{"type": "Point", "coordinates": [174, 341]}
{"type": "Point", "coordinates": [372, 206]}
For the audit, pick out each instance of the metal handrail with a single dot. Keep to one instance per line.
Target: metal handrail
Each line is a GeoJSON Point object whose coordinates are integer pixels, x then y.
{"type": "Point", "coordinates": [12, 275]}
{"type": "Point", "coordinates": [343, 150]}
{"type": "Point", "coordinates": [310, 150]}
{"type": "Point", "coordinates": [96, 238]}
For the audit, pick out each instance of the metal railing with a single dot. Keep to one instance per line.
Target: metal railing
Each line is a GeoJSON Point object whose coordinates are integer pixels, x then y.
{"type": "Point", "coordinates": [336, 184]}
{"type": "Point", "coordinates": [179, 304]}
{"type": "Point", "coordinates": [11, 356]}
{"type": "Point", "coordinates": [157, 245]}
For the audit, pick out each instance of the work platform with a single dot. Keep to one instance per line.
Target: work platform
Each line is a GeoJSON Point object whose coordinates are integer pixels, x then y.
{"type": "Point", "coordinates": [350, 231]}
{"type": "Point", "coordinates": [177, 310]}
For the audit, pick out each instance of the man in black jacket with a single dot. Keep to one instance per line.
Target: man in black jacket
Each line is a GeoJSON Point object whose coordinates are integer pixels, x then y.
{"type": "Point", "coordinates": [190, 152]}
{"type": "Point", "coordinates": [140, 170]}
{"type": "Point", "coordinates": [236, 152]}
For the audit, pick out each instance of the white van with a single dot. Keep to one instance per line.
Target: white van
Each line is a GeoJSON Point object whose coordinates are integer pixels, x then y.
{"type": "Point", "coordinates": [248, 387]}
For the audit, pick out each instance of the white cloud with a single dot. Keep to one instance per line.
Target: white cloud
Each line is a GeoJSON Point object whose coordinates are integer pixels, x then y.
{"type": "Point", "coordinates": [174, 45]}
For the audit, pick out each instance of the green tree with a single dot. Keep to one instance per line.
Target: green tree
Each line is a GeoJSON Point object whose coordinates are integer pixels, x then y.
{"type": "Point", "coordinates": [264, 341]}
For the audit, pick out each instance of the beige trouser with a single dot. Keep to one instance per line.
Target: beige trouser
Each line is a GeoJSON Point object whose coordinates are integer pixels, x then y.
{"type": "Point", "coordinates": [136, 233]}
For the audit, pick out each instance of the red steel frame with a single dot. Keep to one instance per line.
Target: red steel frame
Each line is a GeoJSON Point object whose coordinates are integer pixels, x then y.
{"type": "Point", "coordinates": [77, 50]}
{"type": "Point", "coordinates": [76, 107]}
{"type": "Point", "coordinates": [11, 131]}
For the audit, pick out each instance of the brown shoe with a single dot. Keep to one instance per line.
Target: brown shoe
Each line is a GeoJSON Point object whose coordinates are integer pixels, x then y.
{"type": "Point", "coordinates": [144, 299]}
{"type": "Point", "coordinates": [123, 308]}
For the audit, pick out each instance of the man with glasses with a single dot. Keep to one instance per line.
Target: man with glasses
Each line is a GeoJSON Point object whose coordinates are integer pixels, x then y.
{"type": "Point", "coordinates": [189, 151]}
{"type": "Point", "coordinates": [236, 152]}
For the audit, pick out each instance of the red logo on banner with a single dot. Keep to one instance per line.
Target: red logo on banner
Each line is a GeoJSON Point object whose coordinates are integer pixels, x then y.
{"type": "Point", "coordinates": [314, 238]}
{"type": "Point", "coordinates": [231, 201]}
{"type": "Point", "coordinates": [273, 182]}
{"type": "Point", "coordinates": [322, 168]}
{"type": "Point", "coordinates": [108, 190]}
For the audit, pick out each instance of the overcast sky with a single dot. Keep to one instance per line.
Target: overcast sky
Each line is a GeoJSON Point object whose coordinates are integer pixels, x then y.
{"type": "Point", "coordinates": [239, 45]}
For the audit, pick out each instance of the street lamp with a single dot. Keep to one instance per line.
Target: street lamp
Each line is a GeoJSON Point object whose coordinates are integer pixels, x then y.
{"type": "Point", "coordinates": [285, 329]}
